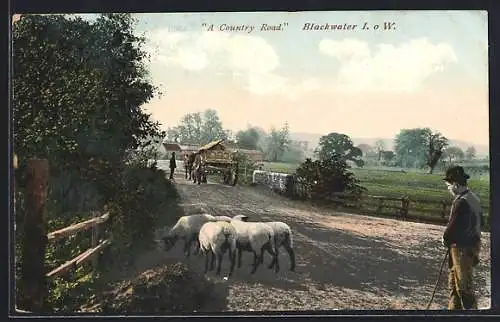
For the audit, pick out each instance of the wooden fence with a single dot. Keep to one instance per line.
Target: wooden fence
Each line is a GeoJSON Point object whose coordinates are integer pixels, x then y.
{"type": "Point", "coordinates": [33, 269]}
{"type": "Point", "coordinates": [401, 207]}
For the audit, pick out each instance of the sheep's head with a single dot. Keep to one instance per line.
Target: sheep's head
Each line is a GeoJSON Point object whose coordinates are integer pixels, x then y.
{"type": "Point", "coordinates": [241, 217]}
{"type": "Point", "coordinates": [169, 242]}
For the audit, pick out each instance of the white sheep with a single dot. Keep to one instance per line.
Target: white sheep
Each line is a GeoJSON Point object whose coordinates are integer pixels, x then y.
{"type": "Point", "coordinates": [187, 228]}
{"type": "Point", "coordinates": [282, 237]}
{"type": "Point", "coordinates": [215, 238]}
{"type": "Point", "coordinates": [254, 237]}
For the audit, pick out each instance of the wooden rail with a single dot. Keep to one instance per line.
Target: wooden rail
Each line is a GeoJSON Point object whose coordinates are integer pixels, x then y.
{"type": "Point", "coordinates": [33, 293]}
{"type": "Point", "coordinates": [398, 206]}
{"type": "Point", "coordinates": [90, 253]}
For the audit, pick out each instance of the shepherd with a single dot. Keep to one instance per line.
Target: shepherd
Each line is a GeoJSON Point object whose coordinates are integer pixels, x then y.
{"type": "Point", "coordinates": [173, 165]}
{"type": "Point", "coordinates": [462, 237]}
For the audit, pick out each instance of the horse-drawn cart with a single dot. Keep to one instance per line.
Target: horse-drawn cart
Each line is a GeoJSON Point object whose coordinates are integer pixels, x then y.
{"type": "Point", "coordinates": [216, 159]}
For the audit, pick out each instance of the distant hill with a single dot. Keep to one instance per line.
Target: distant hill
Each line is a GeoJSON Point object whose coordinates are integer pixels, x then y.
{"type": "Point", "coordinates": [313, 139]}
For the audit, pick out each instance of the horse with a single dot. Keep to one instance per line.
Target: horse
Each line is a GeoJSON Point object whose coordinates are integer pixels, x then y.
{"type": "Point", "coordinates": [188, 164]}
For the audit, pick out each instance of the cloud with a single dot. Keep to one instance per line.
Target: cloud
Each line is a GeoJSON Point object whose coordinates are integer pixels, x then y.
{"type": "Point", "coordinates": [249, 58]}
{"type": "Point", "coordinates": [404, 67]}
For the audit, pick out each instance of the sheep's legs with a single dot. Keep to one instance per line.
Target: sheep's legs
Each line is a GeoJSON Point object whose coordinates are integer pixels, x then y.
{"type": "Point", "coordinates": [239, 257]}
{"type": "Point", "coordinates": [212, 262]}
{"type": "Point", "coordinates": [274, 254]}
{"type": "Point", "coordinates": [219, 263]}
{"type": "Point", "coordinates": [275, 259]}
{"type": "Point", "coordinates": [232, 259]}
{"type": "Point", "coordinates": [291, 253]}
{"type": "Point", "coordinates": [256, 262]}
{"type": "Point", "coordinates": [206, 261]}
{"type": "Point", "coordinates": [187, 246]}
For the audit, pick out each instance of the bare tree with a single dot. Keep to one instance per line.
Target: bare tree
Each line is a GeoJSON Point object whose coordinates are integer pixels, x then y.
{"type": "Point", "coordinates": [436, 143]}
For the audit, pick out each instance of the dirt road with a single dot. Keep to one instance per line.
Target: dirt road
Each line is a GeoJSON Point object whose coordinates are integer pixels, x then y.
{"type": "Point", "coordinates": [344, 261]}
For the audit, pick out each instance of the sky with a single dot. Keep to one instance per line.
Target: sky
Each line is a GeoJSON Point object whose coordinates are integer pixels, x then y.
{"type": "Point", "coordinates": [429, 70]}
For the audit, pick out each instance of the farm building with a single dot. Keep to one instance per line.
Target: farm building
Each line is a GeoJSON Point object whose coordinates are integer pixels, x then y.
{"type": "Point", "coordinates": [253, 155]}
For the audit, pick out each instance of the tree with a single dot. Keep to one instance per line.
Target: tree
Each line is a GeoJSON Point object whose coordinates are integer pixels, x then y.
{"type": "Point", "coordinates": [410, 147]}
{"type": "Point", "coordinates": [339, 144]}
{"type": "Point", "coordinates": [211, 127]}
{"type": "Point", "coordinates": [248, 139]}
{"type": "Point", "coordinates": [86, 107]}
{"type": "Point", "coordinates": [365, 148]}
{"type": "Point", "coordinates": [388, 156]}
{"type": "Point", "coordinates": [379, 146]}
{"type": "Point", "coordinates": [454, 153]}
{"type": "Point", "coordinates": [470, 153]}
{"type": "Point", "coordinates": [326, 176]}
{"type": "Point", "coordinates": [435, 144]}
{"type": "Point", "coordinates": [277, 142]}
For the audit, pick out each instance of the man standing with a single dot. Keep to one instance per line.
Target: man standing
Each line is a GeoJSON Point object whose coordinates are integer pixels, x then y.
{"type": "Point", "coordinates": [186, 165]}
{"type": "Point", "coordinates": [173, 165]}
{"type": "Point", "coordinates": [462, 237]}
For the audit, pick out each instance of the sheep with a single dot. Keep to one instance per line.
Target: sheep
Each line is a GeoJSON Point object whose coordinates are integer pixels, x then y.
{"type": "Point", "coordinates": [187, 228]}
{"type": "Point", "coordinates": [254, 237]}
{"type": "Point", "coordinates": [282, 237]}
{"type": "Point", "coordinates": [215, 238]}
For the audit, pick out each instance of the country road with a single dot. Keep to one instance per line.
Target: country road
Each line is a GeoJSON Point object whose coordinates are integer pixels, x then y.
{"type": "Point", "coordinates": [344, 261]}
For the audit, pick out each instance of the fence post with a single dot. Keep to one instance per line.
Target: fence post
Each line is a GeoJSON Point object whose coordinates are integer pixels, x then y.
{"type": "Point", "coordinates": [33, 281]}
{"type": "Point", "coordinates": [380, 204]}
{"type": "Point", "coordinates": [405, 205]}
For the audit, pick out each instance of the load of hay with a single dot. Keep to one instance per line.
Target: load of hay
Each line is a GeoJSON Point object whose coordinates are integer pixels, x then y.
{"type": "Point", "coordinates": [165, 289]}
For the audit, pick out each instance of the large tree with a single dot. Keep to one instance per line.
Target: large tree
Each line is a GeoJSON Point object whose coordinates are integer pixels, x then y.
{"type": "Point", "coordinates": [410, 147]}
{"type": "Point", "coordinates": [339, 144]}
{"type": "Point", "coordinates": [419, 147]}
{"type": "Point", "coordinates": [211, 127]}
{"type": "Point", "coordinates": [470, 153]}
{"type": "Point", "coordinates": [277, 142]}
{"type": "Point", "coordinates": [198, 129]}
{"type": "Point", "coordinates": [454, 154]}
{"type": "Point", "coordinates": [435, 145]}
{"type": "Point", "coordinates": [78, 89]}
{"type": "Point", "coordinates": [248, 139]}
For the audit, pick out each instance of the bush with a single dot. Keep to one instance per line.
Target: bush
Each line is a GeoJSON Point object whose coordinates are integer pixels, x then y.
{"type": "Point", "coordinates": [144, 199]}
{"type": "Point", "coordinates": [324, 177]}
{"type": "Point", "coordinates": [246, 166]}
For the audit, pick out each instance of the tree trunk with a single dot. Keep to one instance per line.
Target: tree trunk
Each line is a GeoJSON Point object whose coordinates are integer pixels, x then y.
{"type": "Point", "coordinates": [431, 169]}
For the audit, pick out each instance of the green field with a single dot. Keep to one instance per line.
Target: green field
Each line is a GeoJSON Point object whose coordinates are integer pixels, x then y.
{"type": "Point", "coordinates": [418, 186]}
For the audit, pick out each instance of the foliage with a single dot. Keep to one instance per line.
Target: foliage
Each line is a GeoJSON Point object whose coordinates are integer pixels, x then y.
{"type": "Point", "coordinates": [246, 166]}
{"type": "Point", "coordinates": [277, 142]}
{"type": "Point", "coordinates": [435, 144]}
{"type": "Point", "coordinates": [144, 197]}
{"type": "Point", "coordinates": [453, 153]}
{"type": "Point", "coordinates": [419, 147]}
{"type": "Point", "coordinates": [387, 156]}
{"type": "Point", "coordinates": [425, 190]}
{"type": "Point", "coordinates": [248, 139]}
{"type": "Point", "coordinates": [337, 144]}
{"type": "Point", "coordinates": [470, 153]}
{"type": "Point", "coordinates": [197, 129]}
{"type": "Point", "coordinates": [293, 154]}
{"type": "Point", "coordinates": [326, 176]}
{"type": "Point", "coordinates": [78, 87]}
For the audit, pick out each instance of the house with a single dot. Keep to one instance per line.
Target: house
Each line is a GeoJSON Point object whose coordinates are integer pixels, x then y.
{"type": "Point", "coordinates": [253, 155]}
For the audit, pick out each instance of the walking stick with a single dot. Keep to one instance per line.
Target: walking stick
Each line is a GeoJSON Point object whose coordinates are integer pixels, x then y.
{"type": "Point", "coordinates": [439, 277]}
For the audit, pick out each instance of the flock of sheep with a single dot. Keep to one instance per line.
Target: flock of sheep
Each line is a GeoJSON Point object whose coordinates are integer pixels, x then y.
{"type": "Point", "coordinates": [214, 235]}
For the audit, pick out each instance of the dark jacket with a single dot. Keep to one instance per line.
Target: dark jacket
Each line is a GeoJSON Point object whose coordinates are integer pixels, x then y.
{"type": "Point", "coordinates": [173, 165]}
{"type": "Point", "coordinates": [466, 220]}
